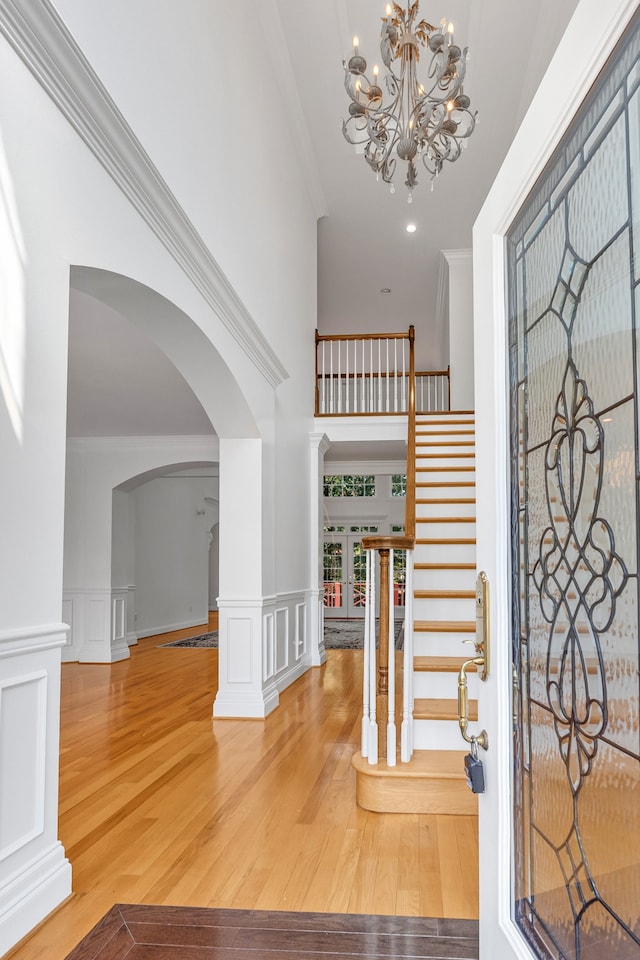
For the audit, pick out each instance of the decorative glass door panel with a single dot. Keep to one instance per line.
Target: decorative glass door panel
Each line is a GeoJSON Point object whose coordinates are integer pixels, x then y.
{"type": "Point", "coordinates": [345, 571]}
{"type": "Point", "coordinates": [574, 299]}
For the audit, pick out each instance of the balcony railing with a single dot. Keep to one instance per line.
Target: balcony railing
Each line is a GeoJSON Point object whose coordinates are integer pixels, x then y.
{"type": "Point", "coordinates": [369, 376]}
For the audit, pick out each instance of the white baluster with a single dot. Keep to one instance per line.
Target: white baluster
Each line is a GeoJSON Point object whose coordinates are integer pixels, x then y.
{"type": "Point", "coordinates": [406, 732]}
{"type": "Point", "coordinates": [373, 680]}
{"type": "Point", "coordinates": [391, 723]}
{"type": "Point", "coordinates": [364, 737]}
{"type": "Point", "coordinates": [405, 405]}
{"type": "Point", "coordinates": [346, 376]}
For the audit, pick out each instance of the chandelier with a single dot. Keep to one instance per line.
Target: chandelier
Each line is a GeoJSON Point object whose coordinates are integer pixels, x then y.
{"type": "Point", "coordinates": [425, 120]}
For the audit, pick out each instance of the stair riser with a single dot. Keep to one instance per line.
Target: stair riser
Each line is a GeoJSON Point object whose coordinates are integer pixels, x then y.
{"type": "Point", "coordinates": [439, 474]}
{"type": "Point", "coordinates": [444, 608]}
{"type": "Point", "coordinates": [442, 530]}
{"type": "Point", "coordinates": [437, 735]}
{"type": "Point", "coordinates": [445, 510]}
{"type": "Point", "coordinates": [442, 645]}
{"type": "Point", "coordinates": [445, 553]}
{"type": "Point", "coordinates": [446, 448]}
{"type": "Point", "coordinates": [444, 580]}
{"type": "Point", "coordinates": [442, 685]}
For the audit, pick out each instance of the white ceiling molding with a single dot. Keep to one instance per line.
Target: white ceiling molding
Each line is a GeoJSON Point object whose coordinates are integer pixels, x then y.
{"type": "Point", "coordinates": [40, 38]}
{"type": "Point", "coordinates": [281, 61]}
{"type": "Point", "coordinates": [335, 468]}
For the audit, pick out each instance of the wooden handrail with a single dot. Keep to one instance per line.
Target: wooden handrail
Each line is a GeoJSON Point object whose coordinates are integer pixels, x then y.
{"type": "Point", "coordinates": [410, 487]}
{"type": "Point", "coordinates": [360, 336]}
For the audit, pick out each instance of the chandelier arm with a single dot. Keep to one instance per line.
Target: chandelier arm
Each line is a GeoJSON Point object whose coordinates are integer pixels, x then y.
{"type": "Point", "coordinates": [428, 120]}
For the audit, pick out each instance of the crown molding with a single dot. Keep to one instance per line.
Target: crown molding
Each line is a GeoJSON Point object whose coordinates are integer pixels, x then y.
{"type": "Point", "coordinates": [37, 33]}
{"type": "Point", "coordinates": [458, 256]}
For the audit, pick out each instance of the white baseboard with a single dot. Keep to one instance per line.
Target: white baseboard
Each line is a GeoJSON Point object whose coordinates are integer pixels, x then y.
{"type": "Point", "coordinates": [169, 627]}
{"type": "Point", "coordinates": [28, 897]}
{"type": "Point", "coordinates": [252, 706]}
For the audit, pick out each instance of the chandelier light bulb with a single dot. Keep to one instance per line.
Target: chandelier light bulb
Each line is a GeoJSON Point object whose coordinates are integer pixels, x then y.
{"type": "Point", "coordinates": [410, 118]}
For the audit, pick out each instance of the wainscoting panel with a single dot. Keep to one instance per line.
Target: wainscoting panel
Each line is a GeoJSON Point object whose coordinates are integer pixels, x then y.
{"type": "Point", "coordinates": [268, 652]}
{"type": "Point", "coordinates": [23, 727]}
{"type": "Point", "coordinates": [282, 639]}
{"type": "Point", "coordinates": [301, 630]}
{"type": "Point", "coordinates": [35, 875]}
{"type": "Point", "coordinates": [239, 654]}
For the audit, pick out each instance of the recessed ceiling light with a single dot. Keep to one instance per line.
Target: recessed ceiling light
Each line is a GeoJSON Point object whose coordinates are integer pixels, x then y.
{"type": "Point", "coordinates": [411, 228]}
{"type": "Point", "coordinates": [386, 290]}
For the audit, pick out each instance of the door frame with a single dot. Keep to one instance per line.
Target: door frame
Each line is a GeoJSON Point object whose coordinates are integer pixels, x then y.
{"type": "Point", "coordinates": [589, 40]}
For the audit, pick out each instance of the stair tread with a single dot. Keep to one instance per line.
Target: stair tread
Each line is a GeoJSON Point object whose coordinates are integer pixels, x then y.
{"type": "Point", "coordinates": [444, 566]}
{"type": "Point", "coordinates": [445, 519]}
{"type": "Point", "coordinates": [445, 483]}
{"type": "Point", "coordinates": [424, 765]}
{"type": "Point", "coordinates": [455, 541]}
{"type": "Point", "coordinates": [441, 664]}
{"type": "Point", "coordinates": [431, 500]}
{"type": "Point", "coordinates": [444, 626]}
{"type": "Point", "coordinates": [441, 709]}
{"type": "Point", "coordinates": [445, 433]}
{"type": "Point", "coordinates": [448, 455]}
{"type": "Point", "coordinates": [444, 594]}
{"type": "Point", "coordinates": [443, 443]}
{"type": "Point", "coordinates": [443, 469]}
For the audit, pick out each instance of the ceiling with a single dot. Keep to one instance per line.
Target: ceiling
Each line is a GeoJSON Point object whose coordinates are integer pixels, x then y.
{"type": "Point", "coordinates": [120, 384]}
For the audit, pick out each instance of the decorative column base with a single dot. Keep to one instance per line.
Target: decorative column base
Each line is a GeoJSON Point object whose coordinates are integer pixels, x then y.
{"type": "Point", "coordinates": [35, 875]}
{"type": "Point", "coordinates": [246, 687]}
{"type": "Point", "coordinates": [98, 625]}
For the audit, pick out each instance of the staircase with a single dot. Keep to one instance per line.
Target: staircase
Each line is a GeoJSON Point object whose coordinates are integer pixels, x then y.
{"type": "Point", "coordinates": [433, 781]}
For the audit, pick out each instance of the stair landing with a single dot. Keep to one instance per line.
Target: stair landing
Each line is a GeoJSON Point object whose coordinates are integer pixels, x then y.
{"type": "Point", "coordinates": [432, 781]}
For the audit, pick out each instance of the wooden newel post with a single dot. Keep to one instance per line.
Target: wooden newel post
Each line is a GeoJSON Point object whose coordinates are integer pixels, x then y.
{"type": "Point", "coordinates": [382, 695]}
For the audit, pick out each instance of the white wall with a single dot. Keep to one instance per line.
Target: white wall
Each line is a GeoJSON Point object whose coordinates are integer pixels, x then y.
{"type": "Point", "coordinates": [172, 553]}
{"type": "Point", "coordinates": [242, 288]}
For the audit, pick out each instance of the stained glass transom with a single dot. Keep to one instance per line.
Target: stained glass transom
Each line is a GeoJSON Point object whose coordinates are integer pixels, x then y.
{"type": "Point", "coordinates": [574, 288]}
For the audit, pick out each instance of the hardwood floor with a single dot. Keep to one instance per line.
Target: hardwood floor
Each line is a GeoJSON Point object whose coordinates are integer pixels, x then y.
{"type": "Point", "coordinates": [160, 804]}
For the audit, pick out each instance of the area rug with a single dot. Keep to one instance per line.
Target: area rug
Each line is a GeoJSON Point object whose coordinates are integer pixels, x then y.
{"type": "Point", "coordinates": [203, 641]}
{"type": "Point", "coordinates": [349, 634]}
{"type": "Point", "coordinates": [338, 635]}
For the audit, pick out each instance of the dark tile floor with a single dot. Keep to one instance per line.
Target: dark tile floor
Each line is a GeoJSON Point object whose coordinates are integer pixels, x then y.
{"type": "Point", "coordinates": [188, 933]}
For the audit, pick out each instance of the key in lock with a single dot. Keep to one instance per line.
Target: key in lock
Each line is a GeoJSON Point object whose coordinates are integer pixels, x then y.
{"type": "Point", "coordinates": [474, 769]}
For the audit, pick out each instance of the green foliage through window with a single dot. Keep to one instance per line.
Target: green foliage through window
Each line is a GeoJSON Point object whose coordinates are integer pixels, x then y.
{"type": "Point", "coordinates": [399, 485]}
{"type": "Point", "coordinates": [350, 485]}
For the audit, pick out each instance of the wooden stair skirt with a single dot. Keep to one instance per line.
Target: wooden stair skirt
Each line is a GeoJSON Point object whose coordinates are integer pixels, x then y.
{"type": "Point", "coordinates": [433, 781]}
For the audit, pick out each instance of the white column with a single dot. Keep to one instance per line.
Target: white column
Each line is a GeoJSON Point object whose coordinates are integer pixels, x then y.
{"type": "Point", "coordinates": [318, 446]}
{"type": "Point", "coordinates": [459, 266]}
{"type": "Point", "coordinates": [246, 686]}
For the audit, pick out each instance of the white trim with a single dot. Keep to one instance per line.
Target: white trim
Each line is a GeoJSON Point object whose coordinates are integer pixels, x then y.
{"type": "Point", "coordinates": [379, 468]}
{"type": "Point", "coordinates": [48, 636]}
{"type": "Point", "coordinates": [170, 627]}
{"type": "Point", "coordinates": [31, 895]}
{"type": "Point", "coordinates": [41, 39]}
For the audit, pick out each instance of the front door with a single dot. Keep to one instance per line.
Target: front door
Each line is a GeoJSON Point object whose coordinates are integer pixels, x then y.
{"type": "Point", "coordinates": [558, 466]}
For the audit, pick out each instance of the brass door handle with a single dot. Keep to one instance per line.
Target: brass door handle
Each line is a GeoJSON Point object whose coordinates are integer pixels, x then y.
{"type": "Point", "coordinates": [463, 704]}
